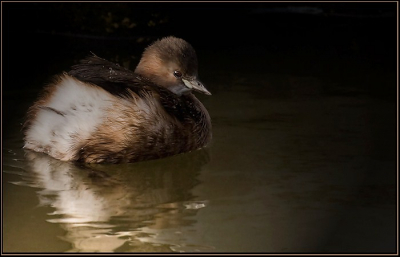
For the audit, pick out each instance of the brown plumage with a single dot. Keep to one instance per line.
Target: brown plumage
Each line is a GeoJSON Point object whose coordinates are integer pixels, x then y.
{"type": "Point", "coordinates": [101, 112]}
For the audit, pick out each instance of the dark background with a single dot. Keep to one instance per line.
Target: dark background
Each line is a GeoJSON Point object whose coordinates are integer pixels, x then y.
{"type": "Point", "coordinates": [39, 39]}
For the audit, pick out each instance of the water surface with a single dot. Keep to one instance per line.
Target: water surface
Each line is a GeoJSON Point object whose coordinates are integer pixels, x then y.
{"type": "Point", "coordinates": [293, 170]}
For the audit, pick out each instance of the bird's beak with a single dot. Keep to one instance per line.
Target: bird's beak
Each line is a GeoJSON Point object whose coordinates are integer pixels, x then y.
{"type": "Point", "coordinates": [196, 85]}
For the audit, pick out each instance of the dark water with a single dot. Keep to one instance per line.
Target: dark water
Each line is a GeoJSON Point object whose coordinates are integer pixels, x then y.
{"type": "Point", "coordinates": [303, 159]}
{"type": "Point", "coordinates": [300, 172]}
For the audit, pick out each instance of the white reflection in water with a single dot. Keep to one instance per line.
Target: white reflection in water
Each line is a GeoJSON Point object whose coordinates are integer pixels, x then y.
{"type": "Point", "coordinates": [300, 174]}
{"type": "Point", "coordinates": [112, 208]}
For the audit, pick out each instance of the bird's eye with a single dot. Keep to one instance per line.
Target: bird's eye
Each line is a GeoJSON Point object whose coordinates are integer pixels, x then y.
{"type": "Point", "coordinates": [177, 74]}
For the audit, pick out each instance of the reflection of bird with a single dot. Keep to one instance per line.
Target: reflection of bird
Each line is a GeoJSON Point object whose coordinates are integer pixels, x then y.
{"type": "Point", "coordinates": [101, 112]}
{"type": "Point", "coordinates": [118, 208]}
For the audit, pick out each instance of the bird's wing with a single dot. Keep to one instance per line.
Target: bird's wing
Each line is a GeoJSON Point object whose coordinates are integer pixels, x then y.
{"type": "Point", "coordinates": [110, 76]}
{"type": "Point", "coordinates": [122, 82]}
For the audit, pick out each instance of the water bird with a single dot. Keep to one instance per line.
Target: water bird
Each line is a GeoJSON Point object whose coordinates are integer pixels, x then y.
{"type": "Point", "coordinates": [101, 112]}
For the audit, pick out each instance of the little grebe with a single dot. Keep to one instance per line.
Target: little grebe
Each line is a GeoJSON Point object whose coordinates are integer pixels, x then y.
{"type": "Point", "coordinates": [102, 112]}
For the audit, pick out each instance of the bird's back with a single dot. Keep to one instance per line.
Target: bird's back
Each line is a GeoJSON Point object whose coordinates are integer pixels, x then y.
{"type": "Point", "coordinates": [101, 112]}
